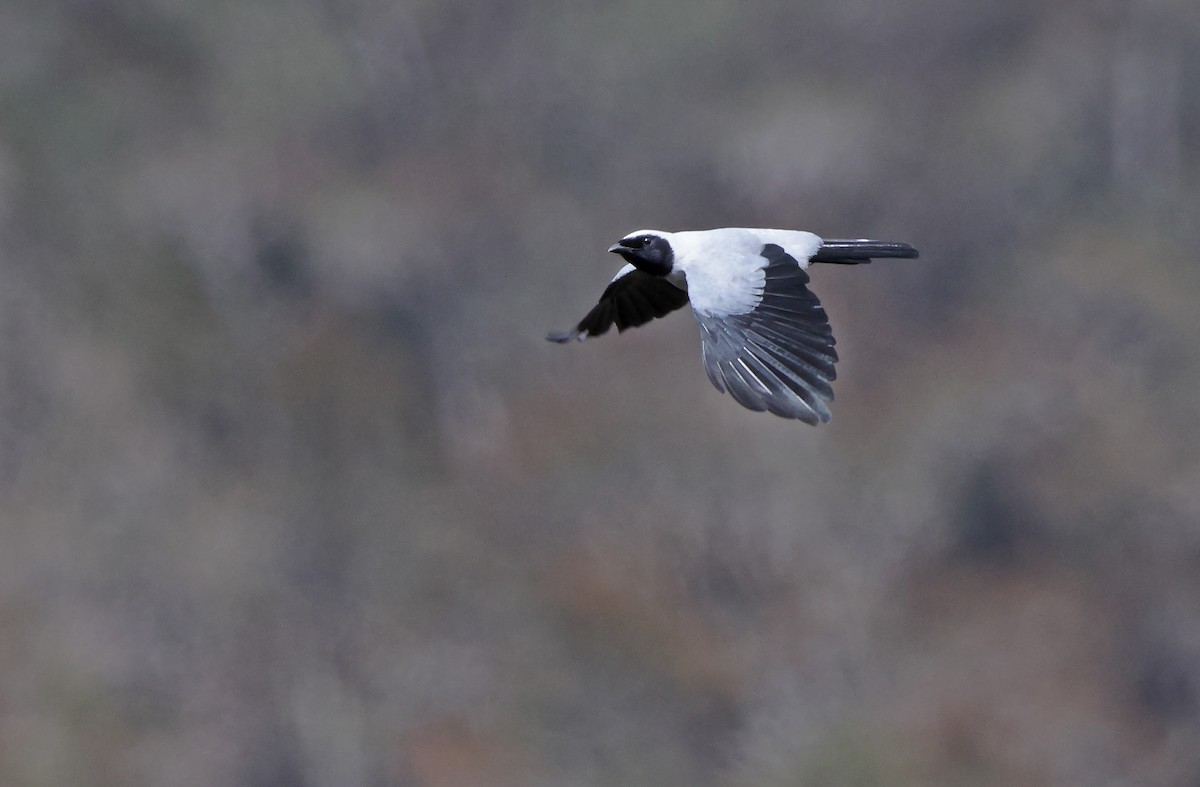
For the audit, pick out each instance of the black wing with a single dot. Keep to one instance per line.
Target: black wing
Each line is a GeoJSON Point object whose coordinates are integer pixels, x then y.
{"type": "Point", "coordinates": [779, 356]}
{"type": "Point", "coordinates": [632, 299]}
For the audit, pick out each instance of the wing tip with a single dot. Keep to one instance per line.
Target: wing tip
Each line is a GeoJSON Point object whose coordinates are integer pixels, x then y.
{"type": "Point", "coordinates": [564, 337]}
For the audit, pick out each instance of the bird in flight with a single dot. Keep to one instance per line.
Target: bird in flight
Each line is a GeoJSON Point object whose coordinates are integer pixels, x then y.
{"type": "Point", "coordinates": [764, 336]}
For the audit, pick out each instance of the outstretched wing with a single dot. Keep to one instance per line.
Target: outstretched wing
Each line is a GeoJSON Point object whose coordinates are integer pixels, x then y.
{"type": "Point", "coordinates": [633, 298]}
{"type": "Point", "coordinates": [779, 355]}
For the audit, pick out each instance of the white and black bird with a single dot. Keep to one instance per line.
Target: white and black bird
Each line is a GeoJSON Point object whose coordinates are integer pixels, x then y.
{"type": "Point", "coordinates": [765, 337]}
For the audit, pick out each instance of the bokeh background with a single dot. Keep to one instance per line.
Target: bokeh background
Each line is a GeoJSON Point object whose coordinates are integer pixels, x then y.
{"type": "Point", "coordinates": [294, 492]}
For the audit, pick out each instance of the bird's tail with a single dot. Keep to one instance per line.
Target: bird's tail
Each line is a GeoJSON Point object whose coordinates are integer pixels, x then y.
{"type": "Point", "coordinates": [853, 252]}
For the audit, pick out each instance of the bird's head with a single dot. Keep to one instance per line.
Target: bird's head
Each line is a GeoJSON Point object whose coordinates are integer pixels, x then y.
{"type": "Point", "coordinates": [647, 250]}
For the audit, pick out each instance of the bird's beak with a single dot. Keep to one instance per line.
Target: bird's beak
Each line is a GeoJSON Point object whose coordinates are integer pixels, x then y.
{"type": "Point", "coordinates": [617, 248]}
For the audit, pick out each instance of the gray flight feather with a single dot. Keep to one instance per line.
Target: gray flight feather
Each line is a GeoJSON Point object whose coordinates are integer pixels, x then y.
{"type": "Point", "coordinates": [779, 356]}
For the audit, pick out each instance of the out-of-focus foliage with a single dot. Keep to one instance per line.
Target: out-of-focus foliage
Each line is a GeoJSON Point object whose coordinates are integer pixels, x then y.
{"type": "Point", "coordinates": [296, 494]}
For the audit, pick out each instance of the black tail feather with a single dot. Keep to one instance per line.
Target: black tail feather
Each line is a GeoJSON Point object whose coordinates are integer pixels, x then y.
{"type": "Point", "coordinates": [854, 252]}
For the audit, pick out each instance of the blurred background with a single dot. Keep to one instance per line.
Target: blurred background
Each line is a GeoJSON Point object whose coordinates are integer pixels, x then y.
{"type": "Point", "coordinates": [295, 493]}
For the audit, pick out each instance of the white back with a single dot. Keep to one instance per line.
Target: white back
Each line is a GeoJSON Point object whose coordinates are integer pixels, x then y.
{"type": "Point", "coordinates": [725, 268]}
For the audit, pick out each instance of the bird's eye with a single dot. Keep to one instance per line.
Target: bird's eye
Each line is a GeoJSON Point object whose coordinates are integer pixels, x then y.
{"type": "Point", "coordinates": [646, 241]}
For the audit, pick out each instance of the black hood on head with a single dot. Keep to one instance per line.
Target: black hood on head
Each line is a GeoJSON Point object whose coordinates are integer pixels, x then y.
{"type": "Point", "coordinates": [648, 253]}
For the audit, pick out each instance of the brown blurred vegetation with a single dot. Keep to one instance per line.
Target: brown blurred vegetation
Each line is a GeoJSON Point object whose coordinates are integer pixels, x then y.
{"type": "Point", "coordinates": [296, 494]}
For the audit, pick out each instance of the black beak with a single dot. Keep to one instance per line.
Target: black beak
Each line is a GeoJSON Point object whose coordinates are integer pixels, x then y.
{"type": "Point", "coordinates": [625, 245]}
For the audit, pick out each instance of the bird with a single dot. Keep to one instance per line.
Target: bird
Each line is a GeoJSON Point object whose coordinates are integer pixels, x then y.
{"type": "Point", "coordinates": [765, 338]}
